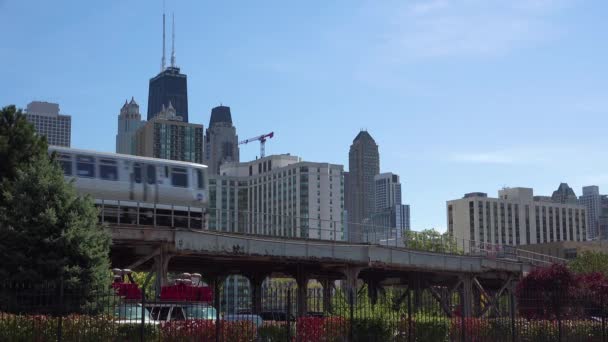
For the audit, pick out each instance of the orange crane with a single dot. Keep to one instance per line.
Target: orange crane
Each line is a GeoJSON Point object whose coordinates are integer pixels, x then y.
{"type": "Point", "coordinates": [262, 139]}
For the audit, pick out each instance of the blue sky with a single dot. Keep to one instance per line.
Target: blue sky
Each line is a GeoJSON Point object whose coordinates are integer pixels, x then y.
{"type": "Point", "coordinates": [461, 96]}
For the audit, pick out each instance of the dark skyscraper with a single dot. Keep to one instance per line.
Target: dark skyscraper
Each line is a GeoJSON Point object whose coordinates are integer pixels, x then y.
{"type": "Point", "coordinates": [363, 165]}
{"type": "Point", "coordinates": [221, 141]}
{"type": "Point", "coordinates": [168, 86]}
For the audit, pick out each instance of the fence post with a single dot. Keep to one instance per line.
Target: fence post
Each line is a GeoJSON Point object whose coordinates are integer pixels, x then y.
{"type": "Point", "coordinates": [512, 309]}
{"type": "Point", "coordinates": [463, 334]}
{"type": "Point", "coordinates": [60, 319]}
{"type": "Point", "coordinates": [143, 314]}
{"type": "Point", "coordinates": [409, 314]}
{"type": "Point", "coordinates": [603, 313]}
{"type": "Point", "coordinates": [216, 299]}
{"type": "Point", "coordinates": [288, 311]}
{"type": "Point", "coordinates": [351, 300]}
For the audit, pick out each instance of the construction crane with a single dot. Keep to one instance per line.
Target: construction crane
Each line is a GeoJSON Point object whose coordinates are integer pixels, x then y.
{"type": "Point", "coordinates": [262, 139]}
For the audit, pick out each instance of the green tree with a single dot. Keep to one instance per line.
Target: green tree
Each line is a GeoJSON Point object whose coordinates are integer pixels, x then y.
{"type": "Point", "coordinates": [47, 231]}
{"type": "Point", "coordinates": [589, 262]}
{"type": "Point", "coordinates": [430, 240]}
{"type": "Point", "coordinates": [19, 145]}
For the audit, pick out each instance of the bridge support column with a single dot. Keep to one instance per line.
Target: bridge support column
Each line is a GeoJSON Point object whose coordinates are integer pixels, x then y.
{"type": "Point", "coordinates": [467, 295]}
{"type": "Point", "coordinates": [352, 275]}
{"type": "Point", "coordinates": [373, 287]}
{"type": "Point", "coordinates": [414, 284]}
{"type": "Point", "coordinates": [302, 296]}
{"type": "Point", "coordinates": [161, 267]}
{"type": "Point", "coordinates": [256, 280]}
{"type": "Point", "coordinates": [328, 285]}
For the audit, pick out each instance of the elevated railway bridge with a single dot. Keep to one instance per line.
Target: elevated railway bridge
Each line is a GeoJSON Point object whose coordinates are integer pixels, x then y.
{"type": "Point", "coordinates": [177, 239]}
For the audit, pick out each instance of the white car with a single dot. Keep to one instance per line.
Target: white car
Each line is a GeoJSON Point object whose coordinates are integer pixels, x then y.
{"type": "Point", "coordinates": [131, 313]}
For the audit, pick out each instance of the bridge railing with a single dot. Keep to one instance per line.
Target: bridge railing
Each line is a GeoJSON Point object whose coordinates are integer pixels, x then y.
{"type": "Point", "coordinates": [127, 213]}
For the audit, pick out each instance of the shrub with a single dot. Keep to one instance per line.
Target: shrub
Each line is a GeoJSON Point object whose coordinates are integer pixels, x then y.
{"type": "Point", "coordinates": [371, 329]}
{"type": "Point", "coordinates": [325, 329]}
{"type": "Point", "coordinates": [273, 333]}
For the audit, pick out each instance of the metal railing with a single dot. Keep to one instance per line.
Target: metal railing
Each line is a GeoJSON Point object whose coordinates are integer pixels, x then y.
{"type": "Point", "coordinates": [130, 213]}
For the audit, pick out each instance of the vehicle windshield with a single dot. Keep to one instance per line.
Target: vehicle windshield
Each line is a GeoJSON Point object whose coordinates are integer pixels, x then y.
{"type": "Point", "coordinates": [200, 312]}
{"type": "Point", "coordinates": [131, 312]}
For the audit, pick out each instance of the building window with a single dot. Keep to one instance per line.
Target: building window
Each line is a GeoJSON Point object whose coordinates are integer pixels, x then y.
{"type": "Point", "coordinates": [108, 170]}
{"type": "Point", "coordinates": [179, 177]}
{"type": "Point", "coordinates": [85, 166]}
{"type": "Point", "coordinates": [471, 220]}
{"type": "Point", "coordinates": [65, 160]}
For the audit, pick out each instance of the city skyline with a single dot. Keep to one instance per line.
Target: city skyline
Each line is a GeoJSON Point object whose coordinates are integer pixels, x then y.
{"type": "Point", "coordinates": [509, 108]}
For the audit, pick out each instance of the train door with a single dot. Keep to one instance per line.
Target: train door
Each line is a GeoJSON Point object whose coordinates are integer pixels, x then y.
{"type": "Point", "coordinates": [144, 186]}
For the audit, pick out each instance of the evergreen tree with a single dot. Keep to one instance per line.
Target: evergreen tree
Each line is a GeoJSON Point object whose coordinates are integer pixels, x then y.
{"type": "Point", "coordinates": [47, 231]}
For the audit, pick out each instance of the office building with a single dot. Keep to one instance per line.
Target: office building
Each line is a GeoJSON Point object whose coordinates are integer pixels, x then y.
{"type": "Point", "coordinates": [57, 128]}
{"type": "Point", "coordinates": [279, 195]}
{"type": "Point", "coordinates": [363, 165]}
{"type": "Point", "coordinates": [391, 218]}
{"type": "Point", "coordinates": [597, 212]}
{"type": "Point", "coordinates": [221, 141]}
{"type": "Point", "coordinates": [564, 194]}
{"type": "Point", "coordinates": [129, 121]}
{"type": "Point", "coordinates": [592, 200]}
{"type": "Point", "coordinates": [170, 85]}
{"type": "Point", "coordinates": [516, 217]}
{"type": "Point", "coordinates": [166, 136]}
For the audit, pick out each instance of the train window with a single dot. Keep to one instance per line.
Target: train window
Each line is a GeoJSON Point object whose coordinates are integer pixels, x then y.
{"type": "Point", "coordinates": [65, 161]}
{"type": "Point", "coordinates": [108, 169]}
{"type": "Point", "coordinates": [179, 177]}
{"type": "Point", "coordinates": [151, 174]}
{"type": "Point", "coordinates": [137, 172]}
{"type": "Point", "coordinates": [199, 178]}
{"type": "Point", "coordinates": [166, 171]}
{"type": "Point", "coordinates": [85, 166]}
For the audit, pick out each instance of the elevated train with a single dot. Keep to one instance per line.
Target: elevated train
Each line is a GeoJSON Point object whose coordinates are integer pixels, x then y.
{"type": "Point", "coordinates": [134, 188]}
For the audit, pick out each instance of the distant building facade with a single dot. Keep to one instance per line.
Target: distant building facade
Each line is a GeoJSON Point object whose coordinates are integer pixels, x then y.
{"type": "Point", "coordinates": [57, 128]}
{"type": "Point", "coordinates": [363, 165]}
{"type": "Point", "coordinates": [129, 121]}
{"type": "Point", "coordinates": [391, 218]}
{"type": "Point", "coordinates": [516, 217]}
{"type": "Point", "coordinates": [597, 212]}
{"type": "Point", "coordinates": [279, 195]}
{"type": "Point", "coordinates": [564, 194]}
{"type": "Point", "coordinates": [166, 136]}
{"type": "Point", "coordinates": [221, 140]}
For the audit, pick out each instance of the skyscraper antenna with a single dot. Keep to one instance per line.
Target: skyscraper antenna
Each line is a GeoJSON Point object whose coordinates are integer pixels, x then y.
{"type": "Point", "coordinates": [162, 62]}
{"type": "Point", "coordinates": [172, 39]}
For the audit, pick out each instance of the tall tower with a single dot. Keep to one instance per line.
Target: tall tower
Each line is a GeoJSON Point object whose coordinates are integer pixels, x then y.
{"type": "Point", "coordinates": [363, 165]}
{"type": "Point", "coordinates": [129, 121]}
{"type": "Point", "coordinates": [221, 141]}
{"type": "Point", "coordinates": [170, 85]}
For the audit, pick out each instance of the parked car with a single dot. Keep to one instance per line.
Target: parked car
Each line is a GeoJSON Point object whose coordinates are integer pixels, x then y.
{"type": "Point", "coordinates": [279, 316]}
{"type": "Point", "coordinates": [131, 313]}
{"type": "Point", "coordinates": [254, 319]}
{"type": "Point", "coordinates": [165, 312]}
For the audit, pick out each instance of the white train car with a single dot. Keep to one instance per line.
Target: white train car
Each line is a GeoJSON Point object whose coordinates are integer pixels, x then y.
{"type": "Point", "coordinates": [120, 177]}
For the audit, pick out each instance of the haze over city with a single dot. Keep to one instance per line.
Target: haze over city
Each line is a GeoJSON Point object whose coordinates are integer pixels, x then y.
{"type": "Point", "coordinates": [460, 96]}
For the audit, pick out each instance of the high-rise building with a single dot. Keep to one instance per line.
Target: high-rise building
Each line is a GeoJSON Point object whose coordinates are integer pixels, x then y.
{"type": "Point", "coordinates": [279, 195]}
{"type": "Point", "coordinates": [129, 121]}
{"type": "Point", "coordinates": [564, 194]}
{"type": "Point", "coordinates": [363, 165]}
{"type": "Point", "coordinates": [221, 141]}
{"type": "Point", "coordinates": [170, 85]}
{"type": "Point", "coordinates": [391, 218]}
{"type": "Point", "coordinates": [516, 217]}
{"type": "Point", "coordinates": [48, 122]}
{"type": "Point", "coordinates": [166, 136]}
{"type": "Point", "coordinates": [592, 200]}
